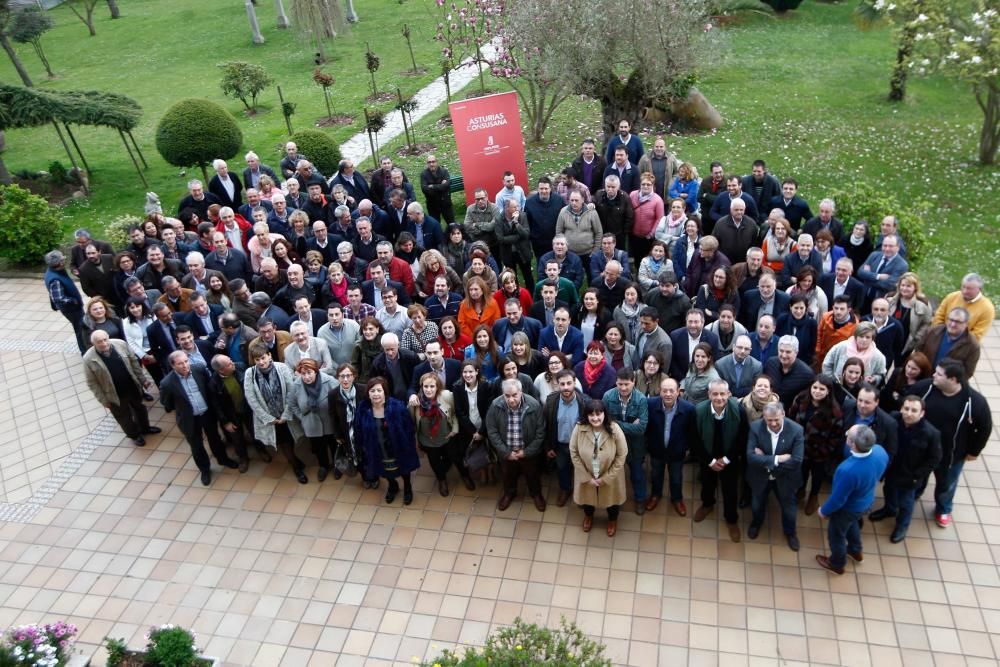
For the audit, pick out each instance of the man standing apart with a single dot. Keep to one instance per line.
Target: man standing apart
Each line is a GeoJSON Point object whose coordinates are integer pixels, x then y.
{"type": "Point", "coordinates": [435, 182]}
{"type": "Point", "coordinates": [118, 380]}
{"type": "Point", "coordinates": [852, 494]}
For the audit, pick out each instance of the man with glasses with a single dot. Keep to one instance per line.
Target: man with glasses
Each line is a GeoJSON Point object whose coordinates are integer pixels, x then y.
{"type": "Point", "coordinates": [953, 340]}
{"type": "Point", "coordinates": [481, 220]}
{"type": "Point", "coordinates": [435, 183]}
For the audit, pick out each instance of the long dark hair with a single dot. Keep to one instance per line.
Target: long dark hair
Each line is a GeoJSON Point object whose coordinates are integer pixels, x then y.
{"type": "Point", "coordinates": [829, 404]}
{"type": "Point", "coordinates": [132, 300]}
{"type": "Point", "coordinates": [593, 407]}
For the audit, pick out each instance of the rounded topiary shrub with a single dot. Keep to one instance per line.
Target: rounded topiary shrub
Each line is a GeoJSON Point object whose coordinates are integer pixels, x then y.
{"type": "Point", "coordinates": [30, 227]}
{"type": "Point", "coordinates": [320, 148]}
{"type": "Point", "coordinates": [194, 132]}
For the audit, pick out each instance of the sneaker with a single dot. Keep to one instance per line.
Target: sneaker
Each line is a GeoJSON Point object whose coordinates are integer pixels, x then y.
{"type": "Point", "coordinates": [943, 520]}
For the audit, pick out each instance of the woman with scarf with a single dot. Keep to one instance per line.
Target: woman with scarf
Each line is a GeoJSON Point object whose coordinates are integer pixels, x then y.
{"type": "Point", "coordinates": [858, 244]}
{"type": "Point", "coordinates": [627, 314]}
{"type": "Point", "coordinates": [598, 451]}
{"type": "Point", "coordinates": [343, 408]}
{"type": "Point", "coordinates": [267, 387]}
{"type": "Point", "coordinates": [334, 288]}
{"type": "Point", "coordinates": [753, 403]}
{"type": "Point", "coordinates": [819, 414]}
{"type": "Point", "coordinates": [432, 265]}
{"type": "Point", "coordinates": [477, 308]}
{"type": "Point", "coordinates": [777, 245]}
{"type": "Point", "coordinates": [684, 187]}
{"type": "Point", "coordinates": [385, 433]}
{"type": "Point", "coordinates": [861, 345]}
{"type": "Point", "coordinates": [720, 291]}
{"type": "Point", "coordinates": [369, 348]}
{"type": "Point", "coordinates": [701, 373]}
{"type": "Point", "coordinates": [595, 374]}
{"type": "Point", "coordinates": [437, 427]}
{"type": "Point", "coordinates": [653, 265]}
{"type": "Point", "coordinates": [310, 403]}
{"type": "Point", "coordinates": [479, 267]}
{"type": "Point", "coordinates": [650, 374]}
{"type": "Point", "coordinates": [453, 341]}
{"type": "Point", "coordinates": [647, 207]}
{"type": "Point", "coordinates": [511, 289]}
{"type": "Point", "coordinates": [456, 251]}
{"type": "Point", "coordinates": [671, 226]}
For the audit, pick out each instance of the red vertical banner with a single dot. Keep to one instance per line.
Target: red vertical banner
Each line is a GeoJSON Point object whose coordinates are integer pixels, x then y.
{"type": "Point", "coordinates": [489, 141]}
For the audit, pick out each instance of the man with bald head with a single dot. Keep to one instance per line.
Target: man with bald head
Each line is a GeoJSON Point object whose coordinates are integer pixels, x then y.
{"type": "Point", "coordinates": [737, 231]}
{"type": "Point", "coordinates": [118, 381]}
{"type": "Point", "coordinates": [435, 183]}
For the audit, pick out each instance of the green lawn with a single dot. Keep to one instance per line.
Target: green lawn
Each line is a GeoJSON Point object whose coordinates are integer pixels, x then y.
{"type": "Point", "coordinates": [805, 93]}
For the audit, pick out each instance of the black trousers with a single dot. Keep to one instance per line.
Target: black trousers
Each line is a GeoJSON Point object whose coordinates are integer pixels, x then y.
{"type": "Point", "coordinates": [322, 448]}
{"type": "Point", "coordinates": [286, 445]}
{"type": "Point", "coordinates": [75, 316]}
{"type": "Point", "coordinates": [512, 470]}
{"type": "Point", "coordinates": [240, 439]}
{"type": "Point", "coordinates": [729, 479]}
{"type": "Point", "coordinates": [441, 209]}
{"type": "Point", "coordinates": [205, 424]}
{"type": "Point", "coordinates": [612, 511]}
{"type": "Point", "coordinates": [444, 457]}
{"type": "Point", "coordinates": [131, 414]}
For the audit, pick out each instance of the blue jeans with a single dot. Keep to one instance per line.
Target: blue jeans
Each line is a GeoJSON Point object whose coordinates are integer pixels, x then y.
{"type": "Point", "coordinates": [564, 467]}
{"type": "Point", "coordinates": [844, 535]}
{"type": "Point", "coordinates": [786, 500]}
{"type": "Point", "coordinates": [675, 469]}
{"type": "Point", "coordinates": [899, 500]}
{"type": "Point", "coordinates": [638, 474]}
{"type": "Point", "coordinates": [945, 484]}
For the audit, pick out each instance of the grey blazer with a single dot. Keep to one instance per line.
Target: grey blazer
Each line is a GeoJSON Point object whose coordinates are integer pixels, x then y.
{"type": "Point", "coordinates": [726, 367]}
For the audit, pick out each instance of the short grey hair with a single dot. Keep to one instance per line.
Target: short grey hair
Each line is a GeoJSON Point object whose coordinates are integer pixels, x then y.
{"type": "Point", "coordinates": [54, 258]}
{"type": "Point", "coordinates": [969, 278]}
{"type": "Point", "coordinates": [261, 227]}
{"type": "Point", "coordinates": [611, 179]}
{"type": "Point", "coordinates": [175, 355]}
{"type": "Point", "coordinates": [226, 210]}
{"type": "Point", "coordinates": [193, 182]}
{"type": "Point", "coordinates": [789, 341]}
{"type": "Point", "coordinates": [341, 210]}
{"type": "Point", "coordinates": [774, 407]}
{"type": "Point", "coordinates": [251, 156]}
{"type": "Point", "coordinates": [862, 436]}
{"type": "Point", "coordinates": [828, 202]}
{"type": "Point", "coordinates": [218, 164]}
{"type": "Point", "coordinates": [753, 250]}
{"type": "Point", "coordinates": [415, 207]}
{"type": "Point", "coordinates": [260, 299]}
{"type": "Point", "coordinates": [718, 383]}
{"type": "Point", "coordinates": [383, 244]}
{"type": "Point", "coordinates": [82, 234]}
{"type": "Point", "coordinates": [277, 196]}
{"type": "Point", "coordinates": [959, 311]}
{"type": "Point", "coordinates": [389, 338]}
{"type": "Point", "coordinates": [806, 237]}
{"type": "Point", "coordinates": [344, 246]}
{"type": "Point", "coordinates": [296, 325]}
{"type": "Point", "coordinates": [510, 383]}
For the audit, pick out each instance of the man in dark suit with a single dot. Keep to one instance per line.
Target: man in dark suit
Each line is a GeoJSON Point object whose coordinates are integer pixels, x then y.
{"type": "Point", "coordinates": [789, 374]}
{"type": "Point", "coordinates": [217, 185]}
{"type": "Point", "coordinates": [449, 370]}
{"type": "Point", "coordinates": [668, 431]}
{"type": "Point", "coordinates": [721, 425]}
{"type": "Point", "coordinates": [314, 317]}
{"type": "Point", "coordinates": [262, 303]}
{"type": "Point", "coordinates": [739, 368]}
{"type": "Point", "coordinates": [185, 389]}
{"type": "Point", "coordinates": [561, 336]}
{"type": "Point", "coordinates": [395, 365]}
{"type": "Point", "coordinates": [684, 340]}
{"type": "Point", "coordinates": [652, 337]}
{"type": "Point", "coordinates": [355, 185]}
{"type": "Point", "coordinates": [544, 308]}
{"type": "Point", "coordinates": [424, 228]}
{"type": "Point", "coordinates": [765, 300]}
{"type": "Point", "coordinates": [515, 320]}
{"type": "Point", "coordinates": [774, 462]}
{"type": "Point", "coordinates": [371, 290]}
{"type": "Point", "coordinates": [230, 262]}
{"type": "Point", "coordinates": [162, 334]}
{"type": "Point", "coordinates": [761, 186]}
{"type": "Point", "coordinates": [254, 170]}
{"type": "Point", "coordinates": [78, 253]}
{"type": "Point", "coordinates": [825, 220]}
{"type": "Point", "coordinates": [203, 318]}
{"type": "Point", "coordinates": [882, 269]}
{"type": "Point", "coordinates": [842, 282]}
{"type": "Point", "coordinates": [96, 277]}
{"type": "Point", "coordinates": [805, 255]}
{"type": "Point", "coordinates": [589, 167]}
{"type": "Point", "coordinates": [795, 207]}
{"type": "Point", "coordinates": [721, 205]}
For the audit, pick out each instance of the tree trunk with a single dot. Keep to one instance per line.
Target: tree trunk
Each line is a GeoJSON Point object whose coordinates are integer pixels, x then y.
{"type": "Point", "coordinates": [620, 102]}
{"type": "Point", "coordinates": [897, 82]}
{"type": "Point", "coordinates": [204, 173]}
{"type": "Point", "coordinates": [9, 48]}
{"type": "Point", "coordinates": [113, 6]}
{"type": "Point", "coordinates": [352, 16]}
{"type": "Point", "coordinates": [37, 43]}
{"type": "Point", "coordinates": [254, 25]}
{"type": "Point", "coordinates": [282, 19]}
{"type": "Point", "coordinates": [4, 174]}
{"type": "Point", "coordinates": [989, 136]}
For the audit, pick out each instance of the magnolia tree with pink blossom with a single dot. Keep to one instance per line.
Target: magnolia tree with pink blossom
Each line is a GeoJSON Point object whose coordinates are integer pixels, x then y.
{"type": "Point", "coordinates": [464, 28]}
{"type": "Point", "coordinates": [964, 45]}
{"type": "Point", "coordinates": [623, 53]}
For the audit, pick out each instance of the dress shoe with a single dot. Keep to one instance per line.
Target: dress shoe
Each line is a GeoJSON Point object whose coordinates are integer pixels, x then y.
{"type": "Point", "coordinates": [825, 563]}
{"type": "Point", "coordinates": [139, 441]}
{"type": "Point", "coordinates": [505, 501]}
{"type": "Point", "coordinates": [407, 496]}
{"type": "Point", "coordinates": [734, 531]}
{"type": "Point", "coordinates": [753, 531]}
{"type": "Point", "coordinates": [371, 483]}
{"type": "Point", "coordinates": [206, 477]}
{"type": "Point", "coordinates": [800, 494]}
{"type": "Point", "coordinates": [898, 535]}
{"type": "Point", "coordinates": [337, 474]}
{"type": "Point", "coordinates": [322, 473]}
{"type": "Point", "coordinates": [588, 523]}
{"type": "Point", "coordinates": [702, 512]}
{"type": "Point", "coordinates": [812, 504]}
{"type": "Point", "coordinates": [443, 487]}
{"type": "Point", "coordinates": [264, 454]}
{"type": "Point", "coordinates": [469, 484]}
{"type": "Point", "coordinates": [612, 528]}
{"type": "Point", "coordinates": [244, 464]}
{"type": "Point", "coordinates": [146, 396]}
{"type": "Point", "coordinates": [640, 507]}
{"type": "Point", "coordinates": [942, 520]}
{"type": "Point", "coordinates": [680, 508]}
{"type": "Point", "coordinates": [793, 541]}
{"type": "Point", "coordinates": [301, 477]}
{"type": "Point", "coordinates": [652, 502]}
{"type": "Point", "coordinates": [539, 502]}
{"type": "Point", "coordinates": [153, 430]}
{"type": "Point", "coordinates": [229, 463]}
{"type": "Point", "coordinates": [879, 514]}
{"type": "Point", "coordinates": [390, 495]}
{"type": "Point", "coordinates": [856, 556]}
{"type": "Point", "coordinates": [562, 498]}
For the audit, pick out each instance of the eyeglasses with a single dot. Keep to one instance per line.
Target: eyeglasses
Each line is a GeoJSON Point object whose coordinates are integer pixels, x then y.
{"type": "Point", "coordinates": [954, 320]}
{"type": "Point", "coordinates": [230, 325]}
{"type": "Point", "coordinates": [344, 376]}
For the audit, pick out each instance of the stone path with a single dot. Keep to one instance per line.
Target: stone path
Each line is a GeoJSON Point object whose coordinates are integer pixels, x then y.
{"type": "Point", "coordinates": [428, 98]}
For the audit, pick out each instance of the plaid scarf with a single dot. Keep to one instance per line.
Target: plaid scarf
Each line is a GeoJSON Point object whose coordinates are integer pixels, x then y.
{"type": "Point", "coordinates": [350, 402]}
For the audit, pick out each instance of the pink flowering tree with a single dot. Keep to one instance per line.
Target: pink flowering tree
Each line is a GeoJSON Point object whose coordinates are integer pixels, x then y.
{"type": "Point", "coordinates": [960, 44]}
{"type": "Point", "coordinates": [465, 26]}
{"type": "Point", "coordinates": [623, 53]}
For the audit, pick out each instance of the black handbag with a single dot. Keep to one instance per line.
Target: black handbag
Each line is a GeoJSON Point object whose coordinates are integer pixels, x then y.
{"type": "Point", "coordinates": [344, 462]}
{"type": "Point", "coordinates": [478, 456]}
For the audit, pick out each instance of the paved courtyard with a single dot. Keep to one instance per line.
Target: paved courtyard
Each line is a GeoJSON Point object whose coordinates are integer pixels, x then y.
{"type": "Point", "coordinates": [116, 538]}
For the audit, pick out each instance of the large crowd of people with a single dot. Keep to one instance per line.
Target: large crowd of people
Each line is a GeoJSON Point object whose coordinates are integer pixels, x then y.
{"type": "Point", "coordinates": [607, 328]}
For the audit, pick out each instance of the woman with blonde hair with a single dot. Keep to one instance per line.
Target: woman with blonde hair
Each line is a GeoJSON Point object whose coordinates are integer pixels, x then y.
{"type": "Point", "coordinates": [861, 344]}
{"type": "Point", "coordinates": [685, 187]}
{"type": "Point", "coordinates": [432, 265]}
{"type": "Point", "coordinates": [911, 308]}
{"type": "Point", "coordinates": [98, 315]}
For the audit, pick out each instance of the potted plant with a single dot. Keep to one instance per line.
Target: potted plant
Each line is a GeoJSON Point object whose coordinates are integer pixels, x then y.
{"type": "Point", "coordinates": [166, 646]}
{"type": "Point", "coordinates": [37, 645]}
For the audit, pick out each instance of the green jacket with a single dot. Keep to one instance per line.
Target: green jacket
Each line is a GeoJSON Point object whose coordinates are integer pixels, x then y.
{"type": "Point", "coordinates": [735, 430]}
